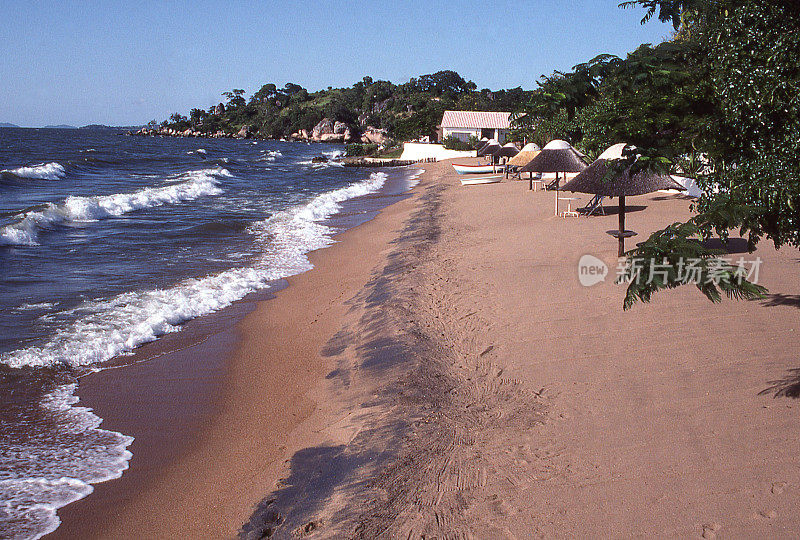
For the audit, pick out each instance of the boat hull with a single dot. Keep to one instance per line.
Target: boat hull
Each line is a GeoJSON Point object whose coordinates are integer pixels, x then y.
{"type": "Point", "coordinates": [479, 181]}
{"type": "Point", "coordinates": [474, 169]}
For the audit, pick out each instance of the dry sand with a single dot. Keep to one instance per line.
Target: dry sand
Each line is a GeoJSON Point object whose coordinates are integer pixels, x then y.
{"type": "Point", "coordinates": [442, 373]}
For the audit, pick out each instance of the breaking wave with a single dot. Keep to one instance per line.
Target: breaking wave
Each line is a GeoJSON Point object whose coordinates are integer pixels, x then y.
{"type": "Point", "coordinates": [116, 326]}
{"type": "Point", "coordinates": [42, 171]}
{"type": "Point", "coordinates": [188, 186]}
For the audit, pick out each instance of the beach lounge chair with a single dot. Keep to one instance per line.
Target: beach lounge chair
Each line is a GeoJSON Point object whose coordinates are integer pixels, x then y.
{"type": "Point", "coordinates": [553, 185]}
{"type": "Point", "coordinates": [594, 206]}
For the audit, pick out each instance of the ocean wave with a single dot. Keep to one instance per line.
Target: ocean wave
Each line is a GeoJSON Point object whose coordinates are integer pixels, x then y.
{"type": "Point", "coordinates": [118, 325]}
{"type": "Point", "coordinates": [57, 467]}
{"type": "Point", "coordinates": [321, 165]}
{"type": "Point", "coordinates": [334, 154]}
{"type": "Point", "coordinates": [40, 305]}
{"type": "Point", "coordinates": [269, 155]}
{"type": "Point", "coordinates": [42, 171]}
{"type": "Point", "coordinates": [334, 160]}
{"type": "Point", "coordinates": [414, 178]}
{"type": "Point", "coordinates": [188, 186]}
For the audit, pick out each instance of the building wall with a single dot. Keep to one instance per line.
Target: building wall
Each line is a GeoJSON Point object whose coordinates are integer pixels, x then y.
{"type": "Point", "coordinates": [464, 133]}
{"type": "Point", "coordinates": [419, 151]}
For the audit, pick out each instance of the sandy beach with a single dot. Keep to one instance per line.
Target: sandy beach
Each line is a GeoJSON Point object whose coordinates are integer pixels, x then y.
{"type": "Point", "coordinates": [441, 372]}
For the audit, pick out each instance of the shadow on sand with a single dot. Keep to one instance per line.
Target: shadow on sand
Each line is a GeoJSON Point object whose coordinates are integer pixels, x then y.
{"type": "Point", "coordinates": [734, 245]}
{"type": "Point", "coordinates": [789, 386]}
{"type": "Point", "coordinates": [614, 210]}
{"type": "Point", "coordinates": [778, 299]}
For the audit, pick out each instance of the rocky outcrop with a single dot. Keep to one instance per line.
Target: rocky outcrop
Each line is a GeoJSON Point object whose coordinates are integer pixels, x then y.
{"type": "Point", "coordinates": [373, 135]}
{"type": "Point", "coordinates": [332, 137]}
{"type": "Point", "coordinates": [324, 127]}
{"type": "Point", "coordinates": [327, 130]}
{"type": "Point", "coordinates": [243, 133]}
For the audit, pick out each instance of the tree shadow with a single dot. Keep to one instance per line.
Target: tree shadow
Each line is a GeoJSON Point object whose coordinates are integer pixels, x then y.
{"type": "Point", "coordinates": [680, 196]}
{"type": "Point", "coordinates": [614, 210]}
{"type": "Point", "coordinates": [733, 245]}
{"type": "Point", "coordinates": [778, 299]}
{"type": "Point", "coordinates": [789, 386]}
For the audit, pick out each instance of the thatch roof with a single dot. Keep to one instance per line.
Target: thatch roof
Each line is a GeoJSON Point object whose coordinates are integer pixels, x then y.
{"type": "Point", "coordinates": [507, 150]}
{"type": "Point", "coordinates": [523, 158]}
{"type": "Point", "coordinates": [600, 178]}
{"type": "Point", "coordinates": [489, 148]}
{"type": "Point", "coordinates": [556, 160]}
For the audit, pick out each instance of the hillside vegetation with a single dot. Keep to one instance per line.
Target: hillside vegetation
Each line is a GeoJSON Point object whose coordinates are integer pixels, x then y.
{"type": "Point", "coordinates": [401, 111]}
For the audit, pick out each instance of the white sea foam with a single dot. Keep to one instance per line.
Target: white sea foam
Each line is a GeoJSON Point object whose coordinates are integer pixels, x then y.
{"type": "Point", "coordinates": [188, 186]}
{"type": "Point", "coordinates": [42, 171]}
{"type": "Point", "coordinates": [414, 179]}
{"type": "Point", "coordinates": [335, 154]}
{"type": "Point", "coordinates": [59, 464]}
{"type": "Point", "coordinates": [269, 155]}
{"type": "Point", "coordinates": [334, 160]}
{"type": "Point", "coordinates": [40, 305]}
{"type": "Point", "coordinates": [118, 325]}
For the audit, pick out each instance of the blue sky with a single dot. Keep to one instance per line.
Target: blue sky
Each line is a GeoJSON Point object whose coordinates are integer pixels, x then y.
{"type": "Point", "coordinates": [125, 63]}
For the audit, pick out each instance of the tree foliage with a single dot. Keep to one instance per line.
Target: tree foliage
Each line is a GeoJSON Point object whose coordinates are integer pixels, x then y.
{"type": "Point", "coordinates": [407, 111]}
{"type": "Point", "coordinates": [721, 99]}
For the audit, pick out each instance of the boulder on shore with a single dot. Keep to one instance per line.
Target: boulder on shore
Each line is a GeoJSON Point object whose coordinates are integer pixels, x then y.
{"type": "Point", "coordinates": [332, 137]}
{"type": "Point", "coordinates": [373, 135]}
{"type": "Point", "coordinates": [324, 127]}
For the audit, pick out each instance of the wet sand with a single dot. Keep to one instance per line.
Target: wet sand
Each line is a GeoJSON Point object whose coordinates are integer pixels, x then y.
{"type": "Point", "coordinates": [442, 372]}
{"type": "Point", "coordinates": [224, 407]}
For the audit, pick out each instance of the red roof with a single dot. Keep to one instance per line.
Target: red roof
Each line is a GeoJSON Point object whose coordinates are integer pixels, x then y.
{"type": "Point", "coordinates": [475, 119]}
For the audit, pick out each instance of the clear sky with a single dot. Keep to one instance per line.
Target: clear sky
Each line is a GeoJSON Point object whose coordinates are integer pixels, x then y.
{"type": "Point", "coordinates": [125, 63]}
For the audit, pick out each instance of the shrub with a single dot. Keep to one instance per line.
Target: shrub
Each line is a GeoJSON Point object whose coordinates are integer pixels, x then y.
{"type": "Point", "coordinates": [356, 149]}
{"type": "Point", "coordinates": [454, 143]}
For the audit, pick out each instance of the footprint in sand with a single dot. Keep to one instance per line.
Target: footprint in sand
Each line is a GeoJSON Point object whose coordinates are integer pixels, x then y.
{"type": "Point", "coordinates": [771, 514]}
{"type": "Point", "coordinates": [778, 487]}
{"type": "Point", "coordinates": [710, 530]}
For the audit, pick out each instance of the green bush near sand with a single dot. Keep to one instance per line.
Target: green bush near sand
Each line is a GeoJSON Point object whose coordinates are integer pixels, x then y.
{"type": "Point", "coordinates": [354, 150]}
{"type": "Point", "coordinates": [454, 143]}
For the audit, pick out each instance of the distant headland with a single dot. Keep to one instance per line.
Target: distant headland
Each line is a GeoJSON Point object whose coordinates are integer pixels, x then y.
{"type": "Point", "coordinates": [370, 112]}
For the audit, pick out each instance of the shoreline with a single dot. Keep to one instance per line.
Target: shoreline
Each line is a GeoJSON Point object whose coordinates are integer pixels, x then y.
{"type": "Point", "coordinates": [226, 373]}
{"type": "Point", "coordinates": [442, 373]}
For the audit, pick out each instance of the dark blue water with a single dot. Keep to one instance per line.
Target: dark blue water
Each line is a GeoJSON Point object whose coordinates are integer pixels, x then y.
{"type": "Point", "coordinates": [108, 241]}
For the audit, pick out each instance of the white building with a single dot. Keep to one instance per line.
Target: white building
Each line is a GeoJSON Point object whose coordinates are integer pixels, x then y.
{"type": "Point", "coordinates": [480, 124]}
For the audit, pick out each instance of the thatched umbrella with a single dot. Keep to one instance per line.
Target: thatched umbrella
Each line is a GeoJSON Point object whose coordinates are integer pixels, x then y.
{"type": "Point", "coordinates": [489, 148]}
{"type": "Point", "coordinates": [556, 157]}
{"type": "Point", "coordinates": [600, 178]}
{"type": "Point", "coordinates": [507, 150]}
{"type": "Point", "coordinates": [528, 152]}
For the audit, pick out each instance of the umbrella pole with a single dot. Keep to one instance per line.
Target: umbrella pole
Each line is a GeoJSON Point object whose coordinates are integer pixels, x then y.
{"type": "Point", "coordinates": [621, 226]}
{"type": "Point", "coordinates": [558, 184]}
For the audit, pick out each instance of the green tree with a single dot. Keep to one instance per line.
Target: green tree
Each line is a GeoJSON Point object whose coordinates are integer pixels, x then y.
{"type": "Point", "coordinates": [235, 98]}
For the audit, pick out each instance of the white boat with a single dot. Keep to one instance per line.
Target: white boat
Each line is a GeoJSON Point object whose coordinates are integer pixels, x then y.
{"type": "Point", "coordinates": [483, 180]}
{"type": "Point", "coordinates": [474, 169]}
